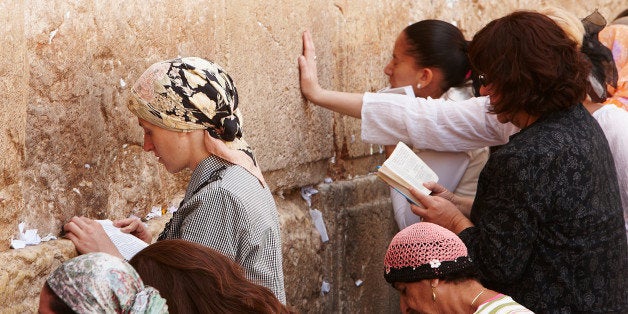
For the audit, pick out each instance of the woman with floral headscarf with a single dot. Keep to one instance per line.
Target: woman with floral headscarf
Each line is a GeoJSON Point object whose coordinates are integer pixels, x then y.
{"type": "Point", "coordinates": [188, 108]}
{"type": "Point", "coordinates": [98, 283]}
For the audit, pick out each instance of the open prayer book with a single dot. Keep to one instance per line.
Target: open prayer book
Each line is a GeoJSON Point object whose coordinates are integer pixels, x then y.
{"type": "Point", "coordinates": [127, 244]}
{"type": "Point", "coordinates": [404, 170]}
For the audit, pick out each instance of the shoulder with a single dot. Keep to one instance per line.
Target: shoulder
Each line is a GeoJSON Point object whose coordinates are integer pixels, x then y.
{"type": "Point", "coordinates": [232, 198]}
{"type": "Point", "coordinates": [237, 186]}
{"type": "Point", "coordinates": [572, 128]}
{"type": "Point", "coordinates": [238, 180]}
{"type": "Point", "coordinates": [215, 173]}
{"type": "Point", "coordinates": [557, 144]}
{"type": "Point", "coordinates": [388, 99]}
{"type": "Point", "coordinates": [229, 180]}
{"type": "Point", "coordinates": [609, 115]}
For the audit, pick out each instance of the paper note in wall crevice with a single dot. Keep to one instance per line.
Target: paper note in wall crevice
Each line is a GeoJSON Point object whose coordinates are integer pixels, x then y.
{"type": "Point", "coordinates": [26, 237]}
{"type": "Point", "coordinates": [325, 287]}
{"type": "Point", "coordinates": [319, 223]}
{"type": "Point", "coordinates": [306, 194]}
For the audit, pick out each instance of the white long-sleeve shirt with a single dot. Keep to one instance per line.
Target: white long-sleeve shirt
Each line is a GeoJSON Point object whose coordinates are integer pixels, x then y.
{"type": "Point", "coordinates": [435, 124]}
{"type": "Point", "coordinates": [614, 123]}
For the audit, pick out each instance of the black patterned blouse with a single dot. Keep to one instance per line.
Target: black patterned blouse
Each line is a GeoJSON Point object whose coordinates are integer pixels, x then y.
{"type": "Point", "coordinates": [549, 229]}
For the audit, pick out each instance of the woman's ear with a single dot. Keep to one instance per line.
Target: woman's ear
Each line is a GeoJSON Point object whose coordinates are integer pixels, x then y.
{"type": "Point", "coordinates": [196, 138]}
{"type": "Point", "coordinates": [425, 76]}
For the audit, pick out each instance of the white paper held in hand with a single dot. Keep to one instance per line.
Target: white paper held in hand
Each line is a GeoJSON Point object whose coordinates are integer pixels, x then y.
{"type": "Point", "coordinates": [127, 244]}
{"type": "Point", "coordinates": [404, 170]}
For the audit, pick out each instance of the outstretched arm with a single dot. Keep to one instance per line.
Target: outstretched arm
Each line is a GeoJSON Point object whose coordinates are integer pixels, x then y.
{"type": "Point", "coordinates": [346, 103]}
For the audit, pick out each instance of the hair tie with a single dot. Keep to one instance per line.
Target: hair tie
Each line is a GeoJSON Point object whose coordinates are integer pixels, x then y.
{"type": "Point", "coordinates": [467, 76]}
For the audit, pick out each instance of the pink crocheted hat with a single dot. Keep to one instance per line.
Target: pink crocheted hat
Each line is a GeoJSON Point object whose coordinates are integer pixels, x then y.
{"type": "Point", "coordinates": [424, 251]}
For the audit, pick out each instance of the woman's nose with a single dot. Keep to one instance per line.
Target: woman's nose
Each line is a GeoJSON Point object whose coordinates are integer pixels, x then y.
{"type": "Point", "coordinates": [388, 69]}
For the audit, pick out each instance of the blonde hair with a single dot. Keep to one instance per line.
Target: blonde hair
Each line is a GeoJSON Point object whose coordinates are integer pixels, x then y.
{"type": "Point", "coordinates": [567, 21]}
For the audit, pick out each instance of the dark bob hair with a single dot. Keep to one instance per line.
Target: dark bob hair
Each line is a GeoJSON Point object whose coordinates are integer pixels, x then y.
{"type": "Point", "coordinates": [530, 64]}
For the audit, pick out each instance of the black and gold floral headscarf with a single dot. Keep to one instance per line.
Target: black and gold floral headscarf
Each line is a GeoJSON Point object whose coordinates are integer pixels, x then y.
{"type": "Point", "coordinates": [186, 94]}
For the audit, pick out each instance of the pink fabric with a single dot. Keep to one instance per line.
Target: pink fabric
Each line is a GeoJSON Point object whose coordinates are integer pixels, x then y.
{"type": "Point", "coordinates": [615, 37]}
{"type": "Point", "coordinates": [234, 156]}
{"type": "Point", "coordinates": [497, 296]}
{"type": "Point", "coordinates": [423, 243]}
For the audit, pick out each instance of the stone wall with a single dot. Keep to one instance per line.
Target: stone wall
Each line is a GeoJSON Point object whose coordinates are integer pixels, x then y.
{"type": "Point", "coordinates": [70, 147]}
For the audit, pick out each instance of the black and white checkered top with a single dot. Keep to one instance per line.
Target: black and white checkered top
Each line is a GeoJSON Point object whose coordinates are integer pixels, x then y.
{"type": "Point", "coordinates": [226, 208]}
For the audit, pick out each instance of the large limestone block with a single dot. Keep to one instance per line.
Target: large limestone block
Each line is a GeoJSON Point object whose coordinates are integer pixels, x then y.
{"type": "Point", "coordinates": [23, 272]}
{"type": "Point", "coordinates": [360, 223]}
{"type": "Point", "coordinates": [13, 81]}
{"type": "Point", "coordinates": [302, 262]}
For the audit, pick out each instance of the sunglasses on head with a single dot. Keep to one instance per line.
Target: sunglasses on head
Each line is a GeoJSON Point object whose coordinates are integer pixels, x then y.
{"type": "Point", "coordinates": [479, 81]}
{"type": "Point", "coordinates": [482, 79]}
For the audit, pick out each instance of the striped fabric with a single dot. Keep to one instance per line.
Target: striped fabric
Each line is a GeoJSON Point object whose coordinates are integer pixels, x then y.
{"type": "Point", "coordinates": [502, 304]}
{"type": "Point", "coordinates": [235, 215]}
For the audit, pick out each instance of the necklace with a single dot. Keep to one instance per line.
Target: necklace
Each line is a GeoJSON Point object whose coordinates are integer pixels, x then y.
{"type": "Point", "coordinates": [477, 296]}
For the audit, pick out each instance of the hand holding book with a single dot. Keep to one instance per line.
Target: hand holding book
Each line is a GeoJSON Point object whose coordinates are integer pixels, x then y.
{"type": "Point", "coordinates": [404, 170]}
{"type": "Point", "coordinates": [406, 173]}
{"type": "Point", "coordinates": [127, 244]}
{"type": "Point", "coordinates": [440, 211]}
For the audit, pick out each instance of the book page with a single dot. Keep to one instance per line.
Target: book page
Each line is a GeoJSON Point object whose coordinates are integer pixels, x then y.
{"type": "Point", "coordinates": [404, 163]}
{"type": "Point", "coordinates": [399, 188]}
{"type": "Point", "coordinates": [127, 244]}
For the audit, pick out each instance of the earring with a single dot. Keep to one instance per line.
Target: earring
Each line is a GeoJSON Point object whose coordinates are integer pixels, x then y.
{"type": "Point", "coordinates": [434, 294]}
{"type": "Point", "coordinates": [418, 86]}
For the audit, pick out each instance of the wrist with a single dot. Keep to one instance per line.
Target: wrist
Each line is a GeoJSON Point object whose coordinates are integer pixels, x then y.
{"type": "Point", "coordinates": [116, 253]}
{"type": "Point", "coordinates": [459, 223]}
{"type": "Point", "coordinates": [314, 94]}
{"type": "Point", "coordinates": [463, 203]}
